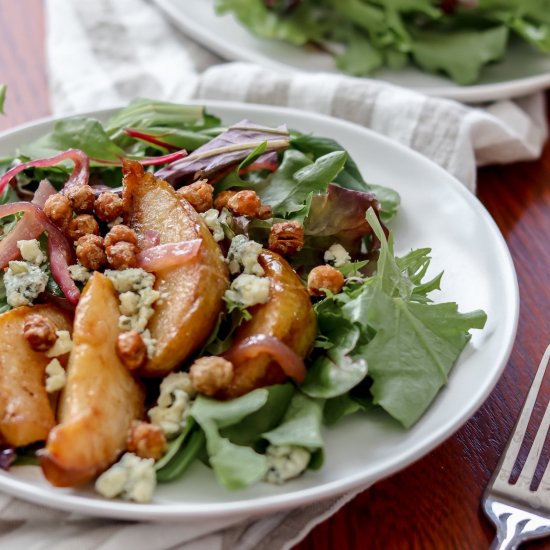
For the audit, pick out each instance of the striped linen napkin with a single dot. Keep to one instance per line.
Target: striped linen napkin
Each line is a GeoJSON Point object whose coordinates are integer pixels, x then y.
{"type": "Point", "coordinates": [107, 52]}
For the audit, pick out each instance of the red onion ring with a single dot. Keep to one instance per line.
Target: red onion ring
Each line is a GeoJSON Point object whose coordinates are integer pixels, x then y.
{"type": "Point", "coordinates": [164, 256]}
{"type": "Point", "coordinates": [79, 175]}
{"type": "Point", "coordinates": [291, 363]}
{"type": "Point", "coordinates": [59, 250]}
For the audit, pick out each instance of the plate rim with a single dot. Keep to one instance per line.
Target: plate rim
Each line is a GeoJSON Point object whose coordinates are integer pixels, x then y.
{"type": "Point", "coordinates": [475, 93]}
{"type": "Point", "coordinates": [271, 503]}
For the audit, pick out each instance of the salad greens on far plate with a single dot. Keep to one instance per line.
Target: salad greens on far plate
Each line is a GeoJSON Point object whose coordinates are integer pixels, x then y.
{"type": "Point", "coordinates": [381, 342]}
{"type": "Point", "coordinates": [453, 37]}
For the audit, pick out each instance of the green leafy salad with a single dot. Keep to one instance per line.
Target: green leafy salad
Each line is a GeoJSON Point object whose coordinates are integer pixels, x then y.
{"type": "Point", "coordinates": [453, 37]}
{"type": "Point", "coordinates": [280, 258]}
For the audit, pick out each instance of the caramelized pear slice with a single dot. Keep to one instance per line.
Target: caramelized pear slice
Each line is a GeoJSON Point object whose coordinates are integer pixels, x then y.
{"type": "Point", "coordinates": [288, 316]}
{"type": "Point", "coordinates": [191, 293]}
{"type": "Point", "coordinates": [101, 398]}
{"type": "Point", "coordinates": [26, 415]}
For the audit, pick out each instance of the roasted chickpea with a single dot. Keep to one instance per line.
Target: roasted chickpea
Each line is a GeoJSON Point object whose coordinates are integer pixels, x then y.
{"type": "Point", "coordinates": [286, 238]}
{"type": "Point", "coordinates": [222, 198]}
{"type": "Point", "coordinates": [131, 349]}
{"type": "Point", "coordinates": [108, 206]}
{"type": "Point", "coordinates": [90, 252]}
{"type": "Point", "coordinates": [200, 195]}
{"type": "Point", "coordinates": [83, 224]}
{"type": "Point", "coordinates": [122, 255]}
{"type": "Point", "coordinates": [324, 277]}
{"type": "Point", "coordinates": [265, 212]}
{"type": "Point", "coordinates": [209, 375]}
{"type": "Point", "coordinates": [245, 203]}
{"type": "Point", "coordinates": [146, 440]}
{"type": "Point", "coordinates": [120, 233]}
{"type": "Point", "coordinates": [39, 332]}
{"type": "Point", "coordinates": [82, 198]}
{"type": "Point", "coordinates": [58, 209]}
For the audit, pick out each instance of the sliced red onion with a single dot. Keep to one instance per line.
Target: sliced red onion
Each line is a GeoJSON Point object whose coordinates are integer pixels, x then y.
{"type": "Point", "coordinates": [45, 189]}
{"type": "Point", "coordinates": [59, 249]}
{"type": "Point", "coordinates": [164, 256]}
{"type": "Point", "coordinates": [79, 175]}
{"type": "Point", "coordinates": [291, 363]}
{"type": "Point", "coordinates": [150, 238]}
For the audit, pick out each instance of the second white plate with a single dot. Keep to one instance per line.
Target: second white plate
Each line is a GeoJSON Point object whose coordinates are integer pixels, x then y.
{"type": "Point", "coordinates": [523, 71]}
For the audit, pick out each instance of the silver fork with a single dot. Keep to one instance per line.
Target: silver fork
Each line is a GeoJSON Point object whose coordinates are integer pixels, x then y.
{"type": "Point", "coordinates": [518, 512]}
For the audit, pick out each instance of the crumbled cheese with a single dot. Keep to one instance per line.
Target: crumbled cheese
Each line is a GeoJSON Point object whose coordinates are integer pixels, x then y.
{"type": "Point", "coordinates": [129, 303]}
{"type": "Point", "coordinates": [243, 253]}
{"type": "Point", "coordinates": [150, 342]}
{"type": "Point", "coordinates": [56, 377]}
{"type": "Point", "coordinates": [211, 218]}
{"type": "Point", "coordinates": [248, 290]}
{"type": "Point", "coordinates": [133, 278]}
{"type": "Point", "coordinates": [137, 296]}
{"type": "Point", "coordinates": [131, 478]}
{"type": "Point", "coordinates": [62, 345]}
{"type": "Point", "coordinates": [24, 281]}
{"type": "Point", "coordinates": [79, 273]}
{"type": "Point", "coordinates": [337, 255]}
{"type": "Point", "coordinates": [31, 251]}
{"type": "Point", "coordinates": [173, 403]}
{"type": "Point", "coordinates": [285, 462]}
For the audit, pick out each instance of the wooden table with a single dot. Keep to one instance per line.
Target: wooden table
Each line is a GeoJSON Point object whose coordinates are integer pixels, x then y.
{"type": "Point", "coordinates": [434, 503]}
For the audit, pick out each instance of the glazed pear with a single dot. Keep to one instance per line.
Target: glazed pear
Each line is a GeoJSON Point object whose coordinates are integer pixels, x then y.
{"type": "Point", "coordinates": [192, 292]}
{"type": "Point", "coordinates": [288, 316]}
{"type": "Point", "coordinates": [101, 398]}
{"type": "Point", "coordinates": [26, 415]}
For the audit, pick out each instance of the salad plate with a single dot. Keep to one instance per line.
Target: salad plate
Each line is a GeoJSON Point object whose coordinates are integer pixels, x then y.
{"type": "Point", "coordinates": [523, 71]}
{"type": "Point", "coordinates": [437, 212]}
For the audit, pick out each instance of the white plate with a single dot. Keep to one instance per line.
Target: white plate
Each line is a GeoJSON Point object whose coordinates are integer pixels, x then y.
{"type": "Point", "coordinates": [437, 211]}
{"type": "Point", "coordinates": [522, 72]}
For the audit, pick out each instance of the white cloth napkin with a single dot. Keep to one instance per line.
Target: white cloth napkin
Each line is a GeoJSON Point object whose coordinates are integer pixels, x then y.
{"type": "Point", "coordinates": [106, 52]}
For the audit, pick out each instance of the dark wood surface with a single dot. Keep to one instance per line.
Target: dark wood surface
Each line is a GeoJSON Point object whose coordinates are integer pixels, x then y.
{"type": "Point", "coordinates": [434, 503]}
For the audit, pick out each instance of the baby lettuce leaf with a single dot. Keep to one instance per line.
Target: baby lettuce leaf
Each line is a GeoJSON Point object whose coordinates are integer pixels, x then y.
{"type": "Point", "coordinates": [235, 466]}
{"type": "Point", "coordinates": [301, 424]}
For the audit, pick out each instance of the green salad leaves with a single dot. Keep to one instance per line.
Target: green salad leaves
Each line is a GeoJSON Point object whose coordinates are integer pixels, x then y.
{"type": "Point", "coordinates": [455, 38]}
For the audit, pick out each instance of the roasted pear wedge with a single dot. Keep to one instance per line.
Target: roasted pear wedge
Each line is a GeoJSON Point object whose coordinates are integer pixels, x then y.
{"type": "Point", "coordinates": [101, 398]}
{"type": "Point", "coordinates": [193, 291]}
{"type": "Point", "coordinates": [288, 316]}
{"type": "Point", "coordinates": [26, 415]}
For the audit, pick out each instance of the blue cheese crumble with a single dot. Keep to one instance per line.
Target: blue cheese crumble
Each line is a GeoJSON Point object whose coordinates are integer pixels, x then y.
{"type": "Point", "coordinates": [212, 221]}
{"type": "Point", "coordinates": [337, 255]}
{"type": "Point", "coordinates": [131, 478]}
{"type": "Point", "coordinates": [56, 377]}
{"type": "Point", "coordinates": [24, 281]}
{"type": "Point", "coordinates": [31, 251]}
{"type": "Point", "coordinates": [285, 462]}
{"type": "Point", "coordinates": [79, 273]}
{"type": "Point", "coordinates": [62, 345]}
{"type": "Point", "coordinates": [248, 290]}
{"type": "Point", "coordinates": [242, 256]}
{"type": "Point", "coordinates": [173, 404]}
{"type": "Point", "coordinates": [136, 299]}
